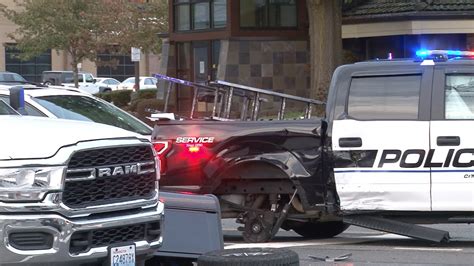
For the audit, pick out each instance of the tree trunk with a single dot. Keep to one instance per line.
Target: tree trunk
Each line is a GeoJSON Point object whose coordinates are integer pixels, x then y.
{"type": "Point", "coordinates": [325, 43]}
{"type": "Point", "coordinates": [75, 73]}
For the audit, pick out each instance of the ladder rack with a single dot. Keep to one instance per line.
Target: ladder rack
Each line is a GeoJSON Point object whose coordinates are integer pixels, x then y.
{"type": "Point", "coordinates": [223, 93]}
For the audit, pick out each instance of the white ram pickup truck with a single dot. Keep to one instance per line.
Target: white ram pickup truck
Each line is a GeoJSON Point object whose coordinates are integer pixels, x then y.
{"type": "Point", "coordinates": [76, 192]}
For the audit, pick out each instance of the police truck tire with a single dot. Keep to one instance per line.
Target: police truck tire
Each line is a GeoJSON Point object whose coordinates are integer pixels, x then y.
{"type": "Point", "coordinates": [320, 230]}
{"type": "Point", "coordinates": [250, 257]}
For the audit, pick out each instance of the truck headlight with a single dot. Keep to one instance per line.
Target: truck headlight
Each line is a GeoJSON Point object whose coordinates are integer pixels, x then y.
{"type": "Point", "coordinates": [30, 183]}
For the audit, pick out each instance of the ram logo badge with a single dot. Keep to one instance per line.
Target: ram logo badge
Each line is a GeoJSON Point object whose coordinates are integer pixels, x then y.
{"type": "Point", "coordinates": [118, 170]}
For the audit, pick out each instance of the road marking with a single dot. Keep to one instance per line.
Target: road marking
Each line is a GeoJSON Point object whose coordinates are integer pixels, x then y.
{"type": "Point", "coordinates": [430, 249]}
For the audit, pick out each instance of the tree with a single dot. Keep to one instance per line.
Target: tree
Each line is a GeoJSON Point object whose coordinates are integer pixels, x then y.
{"type": "Point", "coordinates": [69, 25]}
{"type": "Point", "coordinates": [325, 22]}
{"type": "Point", "coordinates": [81, 28]}
{"type": "Point", "coordinates": [136, 24]}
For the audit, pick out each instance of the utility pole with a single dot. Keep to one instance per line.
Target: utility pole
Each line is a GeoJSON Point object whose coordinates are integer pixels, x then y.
{"type": "Point", "coordinates": [135, 52]}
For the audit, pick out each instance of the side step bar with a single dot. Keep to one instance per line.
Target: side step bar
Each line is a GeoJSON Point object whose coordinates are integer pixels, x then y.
{"type": "Point", "coordinates": [397, 227]}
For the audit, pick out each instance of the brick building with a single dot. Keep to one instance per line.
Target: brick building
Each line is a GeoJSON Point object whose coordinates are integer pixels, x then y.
{"type": "Point", "coordinates": [264, 43]}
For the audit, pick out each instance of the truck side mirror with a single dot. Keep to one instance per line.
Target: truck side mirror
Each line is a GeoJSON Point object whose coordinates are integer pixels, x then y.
{"type": "Point", "coordinates": [17, 99]}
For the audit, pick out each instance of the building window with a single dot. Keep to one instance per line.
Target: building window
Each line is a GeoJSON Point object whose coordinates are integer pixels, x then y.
{"type": "Point", "coordinates": [268, 14]}
{"type": "Point", "coordinates": [31, 69]}
{"type": "Point", "coordinates": [219, 13]}
{"type": "Point", "coordinates": [111, 64]}
{"type": "Point", "coordinates": [199, 14]}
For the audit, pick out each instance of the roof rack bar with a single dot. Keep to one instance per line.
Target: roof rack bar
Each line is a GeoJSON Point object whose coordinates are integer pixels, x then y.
{"type": "Point", "coordinates": [245, 107]}
{"type": "Point", "coordinates": [214, 108]}
{"type": "Point", "coordinates": [224, 92]}
{"type": "Point", "coordinates": [281, 114]}
{"type": "Point", "coordinates": [193, 106]}
{"type": "Point", "coordinates": [167, 97]}
{"type": "Point", "coordinates": [268, 92]}
{"type": "Point", "coordinates": [229, 93]}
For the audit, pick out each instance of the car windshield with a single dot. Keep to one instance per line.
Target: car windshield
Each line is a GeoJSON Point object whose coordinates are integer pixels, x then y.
{"type": "Point", "coordinates": [85, 108]}
{"type": "Point", "coordinates": [5, 109]}
{"type": "Point", "coordinates": [129, 80]}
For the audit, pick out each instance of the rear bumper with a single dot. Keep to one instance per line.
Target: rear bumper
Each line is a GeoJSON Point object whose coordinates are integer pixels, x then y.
{"type": "Point", "coordinates": [62, 229]}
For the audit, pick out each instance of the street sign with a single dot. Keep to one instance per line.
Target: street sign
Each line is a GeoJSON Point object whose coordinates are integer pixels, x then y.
{"type": "Point", "coordinates": [135, 54]}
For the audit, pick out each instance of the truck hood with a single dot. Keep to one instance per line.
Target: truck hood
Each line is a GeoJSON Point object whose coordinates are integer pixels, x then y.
{"type": "Point", "coordinates": [23, 137]}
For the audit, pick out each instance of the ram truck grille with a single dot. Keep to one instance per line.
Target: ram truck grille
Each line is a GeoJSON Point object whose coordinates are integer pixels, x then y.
{"type": "Point", "coordinates": [110, 175]}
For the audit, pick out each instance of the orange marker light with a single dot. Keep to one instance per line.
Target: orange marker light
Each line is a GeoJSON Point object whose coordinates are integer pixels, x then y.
{"type": "Point", "coordinates": [193, 149]}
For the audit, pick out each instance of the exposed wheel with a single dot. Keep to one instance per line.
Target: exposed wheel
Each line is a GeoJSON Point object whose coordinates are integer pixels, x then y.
{"type": "Point", "coordinates": [320, 230]}
{"type": "Point", "coordinates": [250, 256]}
{"type": "Point", "coordinates": [257, 227]}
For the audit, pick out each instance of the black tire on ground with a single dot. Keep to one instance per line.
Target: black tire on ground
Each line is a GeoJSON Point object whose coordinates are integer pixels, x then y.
{"type": "Point", "coordinates": [320, 230]}
{"type": "Point", "coordinates": [250, 257]}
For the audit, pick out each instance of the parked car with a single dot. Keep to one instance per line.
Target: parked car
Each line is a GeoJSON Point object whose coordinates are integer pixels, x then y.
{"type": "Point", "coordinates": [62, 102]}
{"type": "Point", "coordinates": [11, 78]}
{"type": "Point", "coordinates": [145, 83]}
{"type": "Point", "coordinates": [107, 83]}
{"type": "Point", "coordinates": [66, 78]}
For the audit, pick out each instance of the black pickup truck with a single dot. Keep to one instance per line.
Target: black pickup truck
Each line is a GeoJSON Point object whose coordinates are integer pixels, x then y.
{"type": "Point", "coordinates": [395, 142]}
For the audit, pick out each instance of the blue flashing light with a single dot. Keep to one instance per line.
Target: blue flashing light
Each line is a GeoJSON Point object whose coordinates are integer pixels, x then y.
{"type": "Point", "coordinates": [422, 53]}
{"type": "Point", "coordinates": [457, 53]}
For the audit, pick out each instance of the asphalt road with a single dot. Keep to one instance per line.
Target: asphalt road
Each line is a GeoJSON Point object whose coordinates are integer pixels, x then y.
{"type": "Point", "coordinates": [370, 247]}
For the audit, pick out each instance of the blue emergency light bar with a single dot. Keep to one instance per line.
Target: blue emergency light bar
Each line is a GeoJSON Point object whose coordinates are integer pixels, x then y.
{"type": "Point", "coordinates": [447, 53]}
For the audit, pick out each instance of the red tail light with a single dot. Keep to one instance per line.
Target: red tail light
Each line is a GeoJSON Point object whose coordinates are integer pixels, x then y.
{"type": "Point", "coordinates": [161, 149]}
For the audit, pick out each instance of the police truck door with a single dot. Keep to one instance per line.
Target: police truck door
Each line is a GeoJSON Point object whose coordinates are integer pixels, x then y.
{"type": "Point", "coordinates": [452, 139]}
{"type": "Point", "coordinates": [381, 140]}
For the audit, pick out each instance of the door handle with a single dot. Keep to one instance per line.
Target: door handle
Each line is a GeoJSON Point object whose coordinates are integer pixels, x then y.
{"type": "Point", "coordinates": [448, 141]}
{"type": "Point", "coordinates": [350, 142]}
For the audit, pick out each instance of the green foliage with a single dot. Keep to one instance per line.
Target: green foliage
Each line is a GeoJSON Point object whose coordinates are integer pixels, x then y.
{"type": "Point", "coordinates": [136, 24]}
{"type": "Point", "coordinates": [144, 106]}
{"type": "Point", "coordinates": [82, 28]}
{"type": "Point", "coordinates": [106, 96]}
{"type": "Point", "coordinates": [121, 98]}
{"type": "Point", "coordinates": [147, 94]}
{"type": "Point", "coordinates": [140, 95]}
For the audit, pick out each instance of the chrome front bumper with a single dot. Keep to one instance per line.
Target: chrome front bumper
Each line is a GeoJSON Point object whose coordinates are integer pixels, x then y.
{"type": "Point", "coordinates": [62, 229]}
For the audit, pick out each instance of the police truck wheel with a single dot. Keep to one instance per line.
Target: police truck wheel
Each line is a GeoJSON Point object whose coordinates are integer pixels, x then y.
{"type": "Point", "coordinates": [250, 257]}
{"type": "Point", "coordinates": [320, 230]}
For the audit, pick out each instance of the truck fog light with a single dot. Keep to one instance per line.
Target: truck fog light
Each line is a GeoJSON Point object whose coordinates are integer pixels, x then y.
{"type": "Point", "coordinates": [30, 183]}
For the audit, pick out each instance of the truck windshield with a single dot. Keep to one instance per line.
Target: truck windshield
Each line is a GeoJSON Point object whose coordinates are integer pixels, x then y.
{"type": "Point", "coordinates": [84, 108]}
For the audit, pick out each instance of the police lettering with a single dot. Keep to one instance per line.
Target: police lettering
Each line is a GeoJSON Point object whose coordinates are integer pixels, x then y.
{"type": "Point", "coordinates": [416, 158]}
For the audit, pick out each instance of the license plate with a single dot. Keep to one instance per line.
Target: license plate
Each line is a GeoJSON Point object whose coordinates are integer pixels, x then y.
{"type": "Point", "coordinates": [122, 256]}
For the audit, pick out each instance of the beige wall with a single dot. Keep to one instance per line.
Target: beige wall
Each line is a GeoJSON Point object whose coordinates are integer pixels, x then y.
{"type": "Point", "coordinates": [407, 27]}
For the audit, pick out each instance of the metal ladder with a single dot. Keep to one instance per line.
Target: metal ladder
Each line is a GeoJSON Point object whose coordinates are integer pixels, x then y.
{"type": "Point", "coordinates": [223, 93]}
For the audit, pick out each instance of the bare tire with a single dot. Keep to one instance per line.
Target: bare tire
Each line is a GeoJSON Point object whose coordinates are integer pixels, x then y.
{"type": "Point", "coordinates": [320, 230]}
{"type": "Point", "coordinates": [250, 257]}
